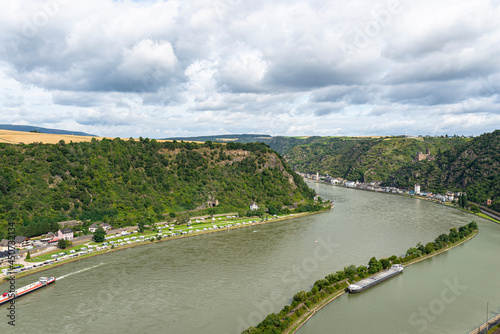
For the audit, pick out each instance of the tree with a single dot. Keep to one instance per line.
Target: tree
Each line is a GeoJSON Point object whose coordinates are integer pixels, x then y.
{"type": "Point", "coordinates": [385, 263]}
{"type": "Point", "coordinates": [475, 209]}
{"type": "Point", "coordinates": [412, 251]}
{"type": "Point", "coordinates": [300, 296]}
{"type": "Point", "coordinates": [362, 269]}
{"type": "Point", "coordinates": [350, 271]}
{"type": "Point", "coordinates": [453, 234]}
{"type": "Point", "coordinates": [421, 248]}
{"type": "Point", "coordinates": [472, 226]}
{"type": "Point", "coordinates": [429, 247]}
{"type": "Point", "coordinates": [63, 243]}
{"type": "Point", "coordinates": [374, 265]}
{"type": "Point", "coordinates": [28, 256]}
{"type": "Point", "coordinates": [463, 202]}
{"type": "Point", "coordinates": [99, 234]}
{"type": "Point", "coordinates": [272, 210]}
{"type": "Point", "coordinates": [140, 225]}
{"type": "Point", "coordinates": [322, 283]}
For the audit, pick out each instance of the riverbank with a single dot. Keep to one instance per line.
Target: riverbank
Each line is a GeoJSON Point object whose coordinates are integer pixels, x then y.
{"type": "Point", "coordinates": [310, 312]}
{"type": "Point", "coordinates": [154, 235]}
{"type": "Point", "coordinates": [483, 214]}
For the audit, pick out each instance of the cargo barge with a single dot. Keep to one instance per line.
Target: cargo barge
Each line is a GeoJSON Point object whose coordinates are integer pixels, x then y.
{"type": "Point", "coordinates": [44, 281]}
{"type": "Point", "coordinates": [375, 279]}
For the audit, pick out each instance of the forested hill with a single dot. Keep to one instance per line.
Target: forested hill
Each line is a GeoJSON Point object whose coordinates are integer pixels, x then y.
{"type": "Point", "coordinates": [362, 158]}
{"type": "Point", "coordinates": [473, 167]}
{"type": "Point", "coordinates": [118, 181]}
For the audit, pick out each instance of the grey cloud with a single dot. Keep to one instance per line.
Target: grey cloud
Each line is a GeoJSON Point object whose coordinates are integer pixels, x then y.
{"type": "Point", "coordinates": [136, 64]}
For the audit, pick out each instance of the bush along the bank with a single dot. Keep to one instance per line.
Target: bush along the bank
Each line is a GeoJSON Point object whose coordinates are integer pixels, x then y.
{"type": "Point", "coordinates": [334, 283]}
{"type": "Point", "coordinates": [442, 241]}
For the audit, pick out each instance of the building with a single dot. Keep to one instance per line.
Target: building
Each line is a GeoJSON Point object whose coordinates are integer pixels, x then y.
{"type": "Point", "coordinates": [105, 226]}
{"type": "Point", "coordinates": [21, 242]}
{"type": "Point", "coordinates": [417, 189]}
{"type": "Point", "coordinates": [70, 223]}
{"type": "Point", "coordinates": [4, 245]}
{"type": "Point", "coordinates": [254, 206]}
{"type": "Point", "coordinates": [421, 156]}
{"type": "Point", "coordinates": [93, 227]}
{"type": "Point", "coordinates": [65, 233]}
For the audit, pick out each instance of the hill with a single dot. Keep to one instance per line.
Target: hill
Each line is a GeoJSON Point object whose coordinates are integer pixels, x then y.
{"type": "Point", "coordinates": [231, 138]}
{"type": "Point", "coordinates": [473, 167]}
{"type": "Point", "coordinates": [121, 181]}
{"type": "Point", "coordinates": [39, 129]}
{"type": "Point", "coordinates": [363, 159]}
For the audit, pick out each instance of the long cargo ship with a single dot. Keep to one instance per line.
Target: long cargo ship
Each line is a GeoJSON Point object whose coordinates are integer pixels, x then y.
{"type": "Point", "coordinates": [375, 279]}
{"type": "Point", "coordinates": [44, 281]}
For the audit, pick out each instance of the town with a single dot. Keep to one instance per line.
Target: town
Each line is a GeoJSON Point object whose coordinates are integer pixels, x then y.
{"type": "Point", "coordinates": [449, 196]}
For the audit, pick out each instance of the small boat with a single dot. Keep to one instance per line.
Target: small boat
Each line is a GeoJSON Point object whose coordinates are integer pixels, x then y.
{"type": "Point", "coordinates": [43, 281]}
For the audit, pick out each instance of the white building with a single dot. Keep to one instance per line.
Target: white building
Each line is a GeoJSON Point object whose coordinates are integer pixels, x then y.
{"type": "Point", "coordinates": [417, 188]}
{"type": "Point", "coordinates": [254, 206]}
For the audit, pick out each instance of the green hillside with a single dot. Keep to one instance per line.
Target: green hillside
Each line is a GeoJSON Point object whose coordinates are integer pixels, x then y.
{"type": "Point", "coordinates": [232, 138]}
{"type": "Point", "coordinates": [119, 181]}
{"type": "Point", "coordinates": [473, 167]}
{"type": "Point", "coordinates": [363, 159]}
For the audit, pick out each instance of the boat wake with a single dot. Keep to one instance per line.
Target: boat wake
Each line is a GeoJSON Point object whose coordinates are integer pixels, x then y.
{"type": "Point", "coordinates": [80, 271]}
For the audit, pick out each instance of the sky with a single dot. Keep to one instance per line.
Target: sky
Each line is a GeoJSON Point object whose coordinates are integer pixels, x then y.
{"type": "Point", "coordinates": [179, 68]}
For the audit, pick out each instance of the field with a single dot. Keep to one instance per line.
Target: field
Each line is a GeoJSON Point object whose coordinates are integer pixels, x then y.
{"type": "Point", "coordinates": [17, 137]}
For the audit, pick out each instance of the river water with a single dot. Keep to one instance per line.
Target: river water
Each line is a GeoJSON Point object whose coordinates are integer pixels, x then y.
{"type": "Point", "coordinates": [224, 282]}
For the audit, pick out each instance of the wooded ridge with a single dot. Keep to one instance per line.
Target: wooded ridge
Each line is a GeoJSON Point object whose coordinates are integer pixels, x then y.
{"type": "Point", "coordinates": [119, 181]}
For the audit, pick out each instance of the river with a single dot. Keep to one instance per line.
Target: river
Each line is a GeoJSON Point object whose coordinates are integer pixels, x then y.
{"type": "Point", "coordinates": [224, 282]}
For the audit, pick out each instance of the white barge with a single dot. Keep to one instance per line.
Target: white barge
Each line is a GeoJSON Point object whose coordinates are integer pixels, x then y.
{"type": "Point", "coordinates": [375, 279]}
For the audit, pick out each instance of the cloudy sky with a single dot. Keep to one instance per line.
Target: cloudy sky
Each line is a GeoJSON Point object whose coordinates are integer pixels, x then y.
{"type": "Point", "coordinates": [283, 67]}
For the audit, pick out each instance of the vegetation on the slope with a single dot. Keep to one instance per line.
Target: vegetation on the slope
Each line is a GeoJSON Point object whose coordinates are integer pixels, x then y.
{"type": "Point", "coordinates": [473, 167]}
{"type": "Point", "coordinates": [231, 138]}
{"type": "Point", "coordinates": [364, 159]}
{"type": "Point", "coordinates": [334, 282]}
{"type": "Point", "coordinates": [119, 181]}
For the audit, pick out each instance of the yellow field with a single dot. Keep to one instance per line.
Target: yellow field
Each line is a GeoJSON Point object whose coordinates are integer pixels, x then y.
{"type": "Point", "coordinates": [17, 137]}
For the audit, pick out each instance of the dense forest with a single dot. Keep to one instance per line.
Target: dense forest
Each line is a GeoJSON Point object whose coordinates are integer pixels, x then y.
{"type": "Point", "coordinates": [118, 181]}
{"type": "Point", "coordinates": [363, 159]}
{"type": "Point", "coordinates": [473, 167]}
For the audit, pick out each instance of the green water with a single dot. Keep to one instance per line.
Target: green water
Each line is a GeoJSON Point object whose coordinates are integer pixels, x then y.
{"type": "Point", "coordinates": [224, 282]}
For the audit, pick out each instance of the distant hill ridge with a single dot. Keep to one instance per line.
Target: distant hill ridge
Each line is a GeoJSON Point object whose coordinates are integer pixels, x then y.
{"type": "Point", "coordinates": [227, 138]}
{"type": "Point", "coordinates": [29, 128]}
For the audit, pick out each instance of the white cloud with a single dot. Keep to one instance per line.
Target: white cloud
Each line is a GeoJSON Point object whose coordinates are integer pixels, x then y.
{"type": "Point", "coordinates": [165, 68]}
{"type": "Point", "coordinates": [147, 55]}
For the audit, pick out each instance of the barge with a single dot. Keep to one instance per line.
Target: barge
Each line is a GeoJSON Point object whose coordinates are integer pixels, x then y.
{"type": "Point", "coordinates": [375, 279]}
{"type": "Point", "coordinates": [8, 296]}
